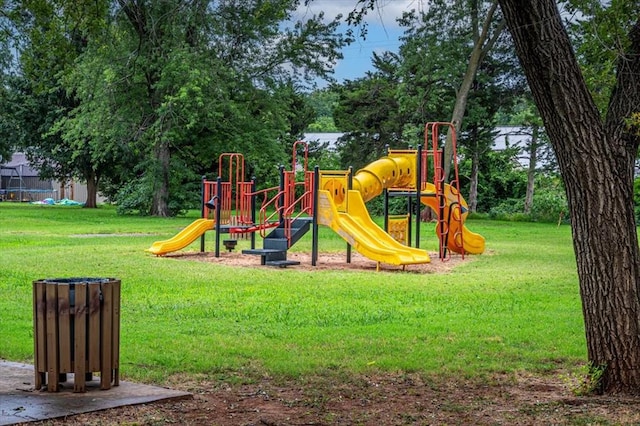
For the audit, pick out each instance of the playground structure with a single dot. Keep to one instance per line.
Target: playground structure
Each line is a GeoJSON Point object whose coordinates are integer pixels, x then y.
{"type": "Point", "coordinates": [337, 199]}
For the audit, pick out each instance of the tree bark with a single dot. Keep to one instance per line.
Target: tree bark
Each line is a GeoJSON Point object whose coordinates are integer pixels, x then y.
{"type": "Point", "coordinates": [596, 161]}
{"type": "Point", "coordinates": [531, 170]}
{"type": "Point", "coordinates": [160, 201]}
{"type": "Point", "coordinates": [92, 192]}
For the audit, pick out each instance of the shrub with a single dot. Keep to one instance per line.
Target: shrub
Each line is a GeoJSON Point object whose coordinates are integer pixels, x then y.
{"type": "Point", "coordinates": [549, 205]}
{"type": "Point", "coordinates": [507, 210]}
{"type": "Point", "coordinates": [136, 196]}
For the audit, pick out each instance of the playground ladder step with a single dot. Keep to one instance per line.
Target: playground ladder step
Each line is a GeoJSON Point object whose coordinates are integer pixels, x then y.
{"type": "Point", "coordinates": [276, 244]}
{"type": "Point", "coordinates": [282, 263]}
{"type": "Point", "coordinates": [277, 238]}
{"type": "Point", "coordinates": [281, 244]}
{"type": "Point", "coordinates": [267, 255]}
{"type": "Point", "coordinates": [302, 221]}
{"type": "Point", "coordinates": [299, 227]}
{"type": "Point", "coordinates": [261, 251]}
{"type": "Point", "coordinates": [277, 233]}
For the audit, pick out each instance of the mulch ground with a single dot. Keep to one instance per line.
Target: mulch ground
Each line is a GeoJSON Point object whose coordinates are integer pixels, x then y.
{"type": "Point", "coordinates": [333, 261]}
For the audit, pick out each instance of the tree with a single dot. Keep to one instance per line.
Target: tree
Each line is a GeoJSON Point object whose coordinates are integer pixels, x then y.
{"type": "Point", "coordinates": [481, 25]}
{"type": "Point", "coordinates": [484, 36]}
{"type": "Point", "coordinates": [231, 57]}
{"type": "Point", "coordinates": [49, 37]}
{"type": "Point", "coordinates": [530, 124]}
{"type": "Point", "coordinates": [8, 126]}
{"type": "Point", "coordinates": [434, 66]}
{"type": "Point", "coordinates": [368, 111]}
{"type": "Point", "coordinates": [596, 156]}
{"type": "Point", "coordinates": [143, 95]}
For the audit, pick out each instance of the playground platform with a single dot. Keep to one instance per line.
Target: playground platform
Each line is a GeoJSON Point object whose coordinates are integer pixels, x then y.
{"type": "Point", "coordinates": [21, 403]}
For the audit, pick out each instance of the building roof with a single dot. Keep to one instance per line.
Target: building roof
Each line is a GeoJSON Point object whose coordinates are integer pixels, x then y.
{"type": "Point", "coordinates": [18, 164]}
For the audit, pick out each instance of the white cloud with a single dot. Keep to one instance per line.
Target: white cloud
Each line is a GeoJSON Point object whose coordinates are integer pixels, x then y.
{"type": "Point", "coordinates": [382, 33]}
{"type": "Point", "coordinates": [385, 13]}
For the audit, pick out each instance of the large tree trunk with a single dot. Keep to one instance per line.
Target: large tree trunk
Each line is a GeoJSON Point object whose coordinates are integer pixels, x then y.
{"type": "Point", "coordinates": [92, 192]}
{"type": "Point", "coordinates": [596, 161]}
{"type": "Point", "coordinates": [138, 15]}
{"type": "Point", "coordinates": [531, 171]}
{"type": "Point", "coordinates": [160, 203]}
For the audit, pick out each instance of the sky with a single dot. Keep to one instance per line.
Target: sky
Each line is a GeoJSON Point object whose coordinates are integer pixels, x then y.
{"type": "Point", "coordinates": [382, 31]}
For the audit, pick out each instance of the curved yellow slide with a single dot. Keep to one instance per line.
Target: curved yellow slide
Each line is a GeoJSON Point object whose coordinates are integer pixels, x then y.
{"type": "Point", "coordinates": [461, 239]}
{"type": "Point", "coordinates": [183, 238]}
{"type": "Point", "coordinates": [356, 227]}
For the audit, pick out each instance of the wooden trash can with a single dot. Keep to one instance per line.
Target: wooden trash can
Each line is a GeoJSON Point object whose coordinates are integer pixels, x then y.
{"type": "Point", "coordinates": [76, 330]}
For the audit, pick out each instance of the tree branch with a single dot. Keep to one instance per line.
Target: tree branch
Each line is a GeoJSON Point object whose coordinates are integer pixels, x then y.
{"type": "Point", "coordinates": [625, 97]}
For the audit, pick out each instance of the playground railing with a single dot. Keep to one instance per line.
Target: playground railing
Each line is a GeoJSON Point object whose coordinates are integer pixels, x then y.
{"type": "Point", "coordinates": [290, 214]}
{"type": "Point", "coordinates": [440, 182]}
{"type": "Point", "coordinates": [265, 218]}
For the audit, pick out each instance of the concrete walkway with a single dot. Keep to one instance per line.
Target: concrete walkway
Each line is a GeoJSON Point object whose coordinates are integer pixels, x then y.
{"type": "Point", "coordinates": [19, 402]}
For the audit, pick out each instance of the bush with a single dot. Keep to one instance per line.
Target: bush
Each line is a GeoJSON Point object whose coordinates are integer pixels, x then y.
{"type": "Point", "coordinates": [136, 196]}
{"type": "Point", "coordinates": [549, 205]}
{"type": "Point", "coordinates": [507, 210]}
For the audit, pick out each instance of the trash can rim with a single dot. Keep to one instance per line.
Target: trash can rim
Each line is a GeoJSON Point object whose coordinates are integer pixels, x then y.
{"type": "Point", "coordinates": [76, 280]}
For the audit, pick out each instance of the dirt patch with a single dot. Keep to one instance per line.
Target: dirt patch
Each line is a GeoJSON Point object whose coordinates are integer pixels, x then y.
{"type": "Point", "coordinates": [389, 399]}
{"type": "Point", "coordinates": [333, 261]}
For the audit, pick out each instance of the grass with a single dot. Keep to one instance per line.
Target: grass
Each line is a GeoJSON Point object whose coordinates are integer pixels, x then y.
{"type": "Point", "coordinates": [517, 307]}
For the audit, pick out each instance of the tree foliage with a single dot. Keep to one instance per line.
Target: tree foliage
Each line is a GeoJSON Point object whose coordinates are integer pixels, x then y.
{"type": "Point", "coordinates": [369, 114]}
{"type": "Point", "coordinates": [323, 101]}
{"type": "Point", "coordinates": [48, 37]}
{"type": "Point", "coordinates": [144, 95]}
{"type": "Point", "coordinates": [422, 84]}
{"type": "Point", "coordinates": [599, 32]}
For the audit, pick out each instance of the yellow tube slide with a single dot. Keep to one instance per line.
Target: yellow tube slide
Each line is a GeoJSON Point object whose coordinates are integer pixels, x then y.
{"type": "Point", "coordinates": [387, 172]}
{"type": "Point", "coordinates": [183, 238]}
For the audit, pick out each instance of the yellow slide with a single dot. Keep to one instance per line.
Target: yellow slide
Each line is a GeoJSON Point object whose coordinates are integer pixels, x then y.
{"type": "Point", "coordinates": [356, 227]}
{"type": "Point", "coordinates": [183, 238]}
{"type": "Point", "coordinates": [460, 238]}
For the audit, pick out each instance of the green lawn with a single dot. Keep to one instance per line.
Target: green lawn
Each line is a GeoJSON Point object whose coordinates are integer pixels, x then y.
{"type": "Point", "coordinates": [517, 307]}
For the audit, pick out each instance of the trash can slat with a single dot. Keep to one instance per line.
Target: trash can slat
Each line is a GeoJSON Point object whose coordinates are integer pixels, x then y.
{"type": "Point", "coordinates": [94, 327]}
{"type": "Point", "coordinates": [64, 329]}
{"type": "Point", "coordinates": [106, 336]}
{"type": "Point", "coordinates": [53, 369]}
{"type": "Point", "coordinates": [80, 337]}
{"type": "Point", "coordinates": [40, 334]}
{"type": "Point", "coordinates": [115, 353]}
